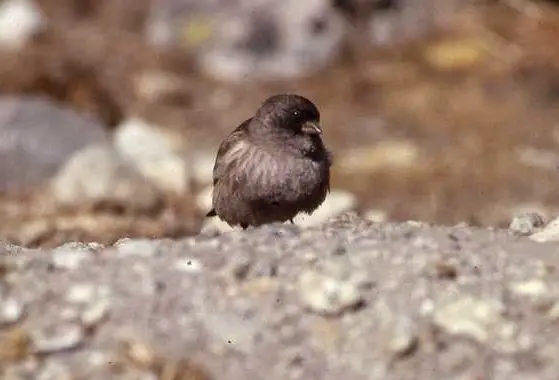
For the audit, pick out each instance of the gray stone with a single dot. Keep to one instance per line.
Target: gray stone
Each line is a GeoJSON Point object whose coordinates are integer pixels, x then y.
{"type": "Point", "coordinates": [98, 174]}
{"type": "Point", "coordinates": [158, 155]}
{"type": "Point", "coordinates": [549, 233]}
{"type": "Point", "coordinates": [57, 338]}
{"type": "Point", "coordinates": [329, 291]}
{"type": "Point", "coordinates": [37, 137]}
{"type": "Point", "coordinates": [526, 224]}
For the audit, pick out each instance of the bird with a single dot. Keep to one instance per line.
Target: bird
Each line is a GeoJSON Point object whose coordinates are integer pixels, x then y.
{"type": "Point", "coordinates": [273, 166]}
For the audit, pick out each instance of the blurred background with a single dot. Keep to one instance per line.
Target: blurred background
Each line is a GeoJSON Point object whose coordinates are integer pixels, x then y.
{"type": "Point", "coordinates": [111, 111]}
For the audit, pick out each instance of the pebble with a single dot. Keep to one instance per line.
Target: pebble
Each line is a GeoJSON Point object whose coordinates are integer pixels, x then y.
{"type": "Point", "coordinates": [335, 204]}
{"type": "Point", "coordinates": [157, 154]}
{"type": "Point", "coordinates": [404, 337]}
{"type": "Point", "coordinates": [97, 174]}
{"type": "Point", "coordinates": [189, 265]}
{"type": "Point", "coordinates": [95, 313]}
{"type": "Point", "coordinates": [376, 216]}
{"type": "Point", "coordinates": [329, 293]}
{"type": "Point", "coordinates": [203, 167]}
{"type": "Point", "coordinates": [19, 21]}
{"type": "Point", "coordinates": [11, 311]}
{"type": "Point", "coordinates": [526, 224]}
{"type": "Point", "coordinates": [548, 234]}
{"type": "Point", "coordinates": [81, 293]}
{"type": "Point", "coordinates": [57, 338]}
{"type": "Point", "coordinates": [476, 318]}
{"type": "Point", "coordinates": [68, 257]}
{"type": "Point", "coordinates": [535, 290]}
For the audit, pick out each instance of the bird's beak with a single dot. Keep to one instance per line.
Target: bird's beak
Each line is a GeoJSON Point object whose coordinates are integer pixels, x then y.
{"type": "Point", "coordinates": [312, 128]}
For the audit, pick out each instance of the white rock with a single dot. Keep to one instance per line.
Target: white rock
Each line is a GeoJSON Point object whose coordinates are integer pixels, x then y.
{"type": "Point", "coordinates": [549, 233]}
{"type": "Point", "coordinates": [336, 203]}
{"type": "Point", "coordinates": [19, 20]}
{"type": "Point", "coordinates": [204, 198]}
{"type": "Point", "coordinates": [203, 167]}
{"type": "Point", "coordinates": [11, 310]}
{"type": "Point", "coordinates": [157, 155]}
{"type": "Point", "coordinates": [377, 216]}
{"type": "Point", "coordinates": [97, 173]}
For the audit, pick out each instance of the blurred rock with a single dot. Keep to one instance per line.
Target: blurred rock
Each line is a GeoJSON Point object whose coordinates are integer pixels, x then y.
{"type": "Point", "coordinates": [38, 136]}
{"type": "Point", "coordinates": [263, 40]}
{"type": "Point", "coordinates": [538, 158]}
{"type": "Point", "coordinates": [479, 319]}
{"type": "Point", "coordinates": [157, 155]}
{"type": "Point", "coordinates": [336, 203]}
{"type": "Point", "coordinates": [331, 289]}
{"type": "Point", "coordinates": [97, 174]}
{"type": "Point", "coordinates": [203, 167]}
{"type": "Point", "coordinates": [19, 21]}
{"type": "Point", "coordinates": [549, 233]}
{"type": "Point", "coordinates": [526, 224]}
{"type": "Point", "coordinates": [204, 198]}
{"type": "Point", "coordinates": [377, 216]}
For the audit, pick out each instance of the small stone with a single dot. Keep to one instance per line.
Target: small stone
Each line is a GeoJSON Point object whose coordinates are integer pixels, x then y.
{"type": "Point", "coordinates": [57, 338]}
{"type": "Point", "coordinates": [66, 257]}
{"type": "Point", "coordinates": [204, 198]}
{"type": "Point", "coordinates": [549, 233]}
{"type": "Point", "coordinates": [535, 290]}
{"type": "Point", "coordinates": [376, 216]}
{"type": "Point", "coordinates": [95, 313]}
{"type": "Point", "coordinates": [140, 353]}
{"type": "Point", "coordinates": [19, 21]}
{"type": "Point", "coordinates": [329, 293]}
{"type": "Point", "coordinates": [189, 265]}
{"type": "Point", "coordinates": [81, 293]}
{"type": "Point", "coordinates": [404, 337]}
{"type": "Point", "coordinates": [335, 204]}
{"type": "Point", "coordinates": [11, 311]}
{"type": "Point", "coordinates": [531, 288]}
{"type": "Point", "coordinates": [526, 224]}
{"type": "Point", "coordinates": [203, 167]}
{"type": "Point", "coordinates": [479, 319]}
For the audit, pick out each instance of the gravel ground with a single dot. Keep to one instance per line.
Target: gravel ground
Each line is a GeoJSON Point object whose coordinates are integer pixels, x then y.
{"type": "Point", "coordinates": [351, 299]}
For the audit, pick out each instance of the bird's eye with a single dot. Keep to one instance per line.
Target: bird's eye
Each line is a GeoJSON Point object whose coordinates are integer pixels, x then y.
{"type": "Point", "coordinates": [296, 113]}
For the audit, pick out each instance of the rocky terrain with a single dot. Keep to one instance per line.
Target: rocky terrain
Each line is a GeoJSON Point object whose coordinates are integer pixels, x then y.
{"type": "Point", "coordinates": [442, 112]}
{"type": "Point", "coordinates": [351, 299]}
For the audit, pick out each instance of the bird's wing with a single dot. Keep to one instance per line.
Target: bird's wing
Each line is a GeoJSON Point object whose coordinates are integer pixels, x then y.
{"type": "Point", "coordinates": [227, 146]}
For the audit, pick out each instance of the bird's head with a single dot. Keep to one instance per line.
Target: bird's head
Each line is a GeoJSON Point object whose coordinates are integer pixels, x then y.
{"type": "Point", "coordinates": [290, 113]}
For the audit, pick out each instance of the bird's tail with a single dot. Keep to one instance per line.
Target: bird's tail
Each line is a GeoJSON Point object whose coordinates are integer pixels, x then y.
{"type": "Point", "coordinates": [211, 213]}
